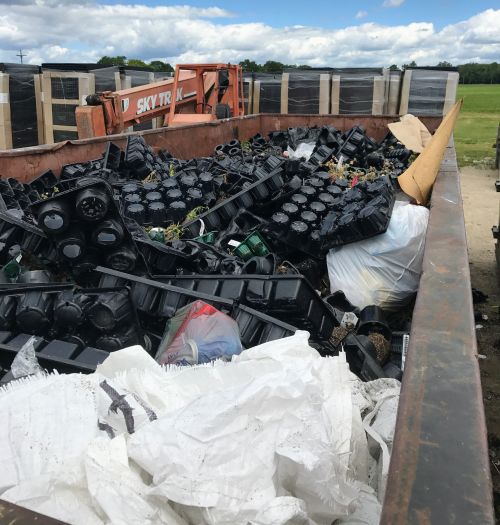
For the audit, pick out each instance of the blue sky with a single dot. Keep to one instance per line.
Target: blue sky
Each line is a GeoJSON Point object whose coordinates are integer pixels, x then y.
{"type": "Point", "coordinates": [337, 14]}
{"type": "Point", "coordinates": [316, 32]}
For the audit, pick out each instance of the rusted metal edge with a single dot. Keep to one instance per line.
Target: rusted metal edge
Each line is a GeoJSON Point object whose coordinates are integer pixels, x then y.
{"type": "Point", "coordinates": [439, 470]}
{"type": "Point", "coordinates": [25, 164]}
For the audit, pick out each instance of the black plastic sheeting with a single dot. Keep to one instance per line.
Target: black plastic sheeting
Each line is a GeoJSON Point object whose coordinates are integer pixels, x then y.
{"type": "Point", "coordinates": [356, 89]}
{"type": "Point", "coordinates": [427, 92]}
{"type": "Point", "coordinates": [270, 92]}
{"type": "Point", "coordinates": [22, 103]}
{"type": "Point", "coordinates": [105, 78]}
{"type": "Point", "coordinates": [304, 92]}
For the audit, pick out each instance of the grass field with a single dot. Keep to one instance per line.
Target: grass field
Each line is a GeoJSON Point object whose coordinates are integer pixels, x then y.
{"type": "Point", "coordinates": [477, 125]}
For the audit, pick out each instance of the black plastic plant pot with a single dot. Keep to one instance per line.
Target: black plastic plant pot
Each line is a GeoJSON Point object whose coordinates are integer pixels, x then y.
{"type": "Point", "coordinates": [228, 210]}
{"type": "Point", "coordinates": [371, 221]}
{"type": "Point", "coordinates": [362, 357]}
{"type": "Point", "coordinates": [362, 186]}
{"type": "Point", "coordinates": [341, 183]}
{"type": "Point", "coordinates": [173, 195]}
{"type": "Point", "coordinates": [153, 196]}
{"type": "Point", "coordinates": [91, 204]}
{"type": "Point", "coordinates": [122, 259]}
{"type": "Point", "coordinates": [206, 181]}
{"type": "Point", "coordinates": [337, 204]}
{"type": "Point", "coordinates": [187, 181]}
{"type": "Point", "coordinates": [45, 181]}
{"type": "Point", "coordinates": [150, 186]}
{"type": "Point", "coordinates": [334, 191]}
{"type": "Point", "coordinates": [299, 200]}
{"type": "Point", "coordinates": [348, 150]}
{"type": "Point", "coordinates": [275, 182]}
{"type": "Point", "coordinates": [324, 176]}
{"type": "Point", "coordinates": [15, 185]}
{"type": "Point", "coordinates": [352, 208]}
{"type": "Point", "coordinates": [54, 216]}
{"type": "Point", "coordinates": [244, 200]}
{"type": "Point", "coordinates": [290, 209]}
{"type": "Point", "coordinates": [316, 183]}
{"type": "Point", "coordinates": [315, 240]}
{"type": "Point", "coordinates": [379, 186]}
{"type": "Point", "coordinates": [169, 184]}
{"type": "Point", "coordinates": [212, 222]}
{"type": "Point", "coordinates": [259, 192]}
{"type": "Point", "coordinates": [108, 234]}
{"type": "Point", "coordinates": [69, 310]}
{"type": "Point", "coordinates": [393, 371]}
{"type": "Point", "coordinates": [82, 269]}
{"type": "Point", "coordinates": [309, 191]}
{"type": "Point", "coordinates": [260, 265]}
{"type": "Point", "coordinates": [329, 224]}
{"type": "Point", "coordinates": [158, 257]}
{"type": "Point", "coordinates": [144, 298]}
{"type": "Point", "coordinates": [132, 198]}
{"type": "Point", "coordinates": [372, 320]}
{"type": "Point", "coordinates": [176, 211]}
{"type": "Point", "coordinates": [33, 315]}
{"type": "Point", "coordinates": [71, 245]}
{"type": "Point", "coordinates": [308, 217]}
{"type": "Point", "coordinates": [157, 213]}
{"type": "Point", "coordinates": [230, 266]}
{"type": "Point", "coordinates": [131, 188]}
{"type": "Point", "coordinates": [137, 212]}
{"type": "Point", "coordinates": [379, 202]}
{"type": "Point", "coordinates": [281, 221]}
{"type": "Point", "coordinates": [347, 228]}
{"type": "Point", "coordinates": [110, 311]}
{"type": "Point", "coordinates": [298, 231]}
{"type": "Point", "coordinates": [126, 336]}
{"type": "Point", "coordinates": [33, 196]}
{"type": "Point", "coordinates": [8, 306]}
{"type": "Point", "coordinates": [219, 149]}
{"type": "Point", "coordinates": [207, 263]}
{"type": "Point", "coordinates": [318, 208]}
{"type": "Point", "coordinates": [23, 201]}
{"type": "Point", "coordinates": [353, 195]}
{"type": "Point", "coordinates": [195, 196]}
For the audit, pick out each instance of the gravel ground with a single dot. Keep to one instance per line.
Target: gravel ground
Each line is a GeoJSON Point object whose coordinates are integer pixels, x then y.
{"type": "Point", "coordinates": [481, 208]}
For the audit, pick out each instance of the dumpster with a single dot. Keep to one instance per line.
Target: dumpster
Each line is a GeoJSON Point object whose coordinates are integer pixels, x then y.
{"type": "Point", "coordinates": [439, 471]}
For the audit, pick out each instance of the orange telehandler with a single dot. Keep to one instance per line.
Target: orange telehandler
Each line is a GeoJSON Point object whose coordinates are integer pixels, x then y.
{"type": "Point", "coordinates": [203, 92]}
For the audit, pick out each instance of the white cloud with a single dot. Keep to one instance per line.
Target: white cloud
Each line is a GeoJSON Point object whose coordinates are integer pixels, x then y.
{"type": "Point", "coordinates": [361, 14]}
{"type": "Point", "coordinates": [392, 3]}
{"type": "Point", "coordinates": [84, 33]}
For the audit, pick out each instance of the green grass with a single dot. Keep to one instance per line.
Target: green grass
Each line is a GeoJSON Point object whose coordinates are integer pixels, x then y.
{"type": "Point", "coordinates": [477, 125]}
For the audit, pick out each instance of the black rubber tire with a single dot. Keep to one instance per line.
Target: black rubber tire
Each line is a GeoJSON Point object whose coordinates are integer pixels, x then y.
{"type": "Point", "coordinates": [222, 111]}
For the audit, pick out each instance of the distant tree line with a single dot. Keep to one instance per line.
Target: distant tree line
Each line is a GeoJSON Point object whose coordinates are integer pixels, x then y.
{"type": "Point", "coordinates": [469, 73]}
{"type": "Point", "coordinates": [156, 65]}
{"type": "Point", "coordinates": [480, 73]}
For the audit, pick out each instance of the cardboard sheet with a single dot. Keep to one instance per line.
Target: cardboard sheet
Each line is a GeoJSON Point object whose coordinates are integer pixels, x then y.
{"type": "Point", "coordinates": [418, 179]}
{"type": "Point", "coordinates": [411, 132]}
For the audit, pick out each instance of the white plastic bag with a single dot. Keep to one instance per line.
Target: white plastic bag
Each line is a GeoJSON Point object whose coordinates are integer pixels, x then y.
{"type": "Point", "coordinates": [277, 436]}
{"type": "Point", "coordinates": [384, 270]}
{"type": "Point", "coordinates": [304, 151]}
{"type": "Point", "coordinates": [46, 420]}
{"type": "Point", "coordinates": [25, 363]}
{"type": "Point", "coordinates": [276, 420]}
